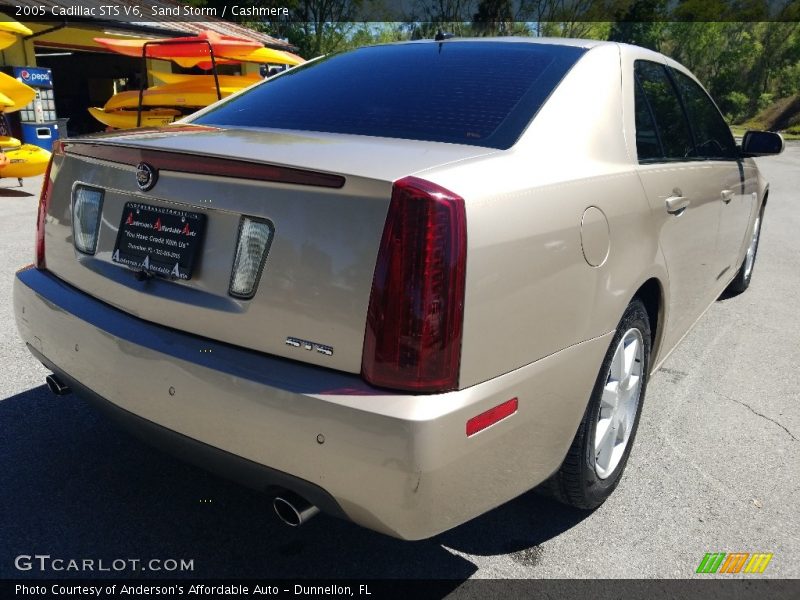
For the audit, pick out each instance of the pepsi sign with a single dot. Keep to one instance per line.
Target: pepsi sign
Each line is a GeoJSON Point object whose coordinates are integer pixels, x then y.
{"type": "Point", "coordinates": [34, 76]}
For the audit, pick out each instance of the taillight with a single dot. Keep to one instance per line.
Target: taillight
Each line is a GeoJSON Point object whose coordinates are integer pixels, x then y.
{"type": "Point", "coordinates": [416, 308]}
{"type": "Point", "coordinates": [44, 204]}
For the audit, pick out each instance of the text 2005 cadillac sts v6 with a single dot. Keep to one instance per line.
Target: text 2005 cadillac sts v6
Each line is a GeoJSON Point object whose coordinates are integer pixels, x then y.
{"type": "Point", "coordinates": [403, 284]}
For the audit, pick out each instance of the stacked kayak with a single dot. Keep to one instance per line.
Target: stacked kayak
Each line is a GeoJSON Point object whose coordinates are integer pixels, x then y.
{"type": "Point", "coordinates": [183, 47]}
{"type": "Point", "coordinates": [14, 95]}
{"type": "Point", "coordinates": [27, 160]}
{"type": "Point", "coordinates": [9, 143]}
{"type": "Point", "coordinates": [18, 160]}
{"type": "Point", "coordinates": [180, 94]}
{"type": "Point", "coordinates": [163, 104]}
{"type": "Point", "coordinates": [126, 119]}
{"type": "Point", "coordinates": [190, 94]}
{"type": "Point", "coordinates": [9, 30]}
{"type": "Point", "coordinates": [195, 50]}
{"type": "Point", "coordinates": [208, 80]}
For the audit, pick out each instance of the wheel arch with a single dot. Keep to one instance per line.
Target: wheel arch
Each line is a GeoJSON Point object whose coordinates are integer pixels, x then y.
{"type": "Point", "coordinates": [652, 295]}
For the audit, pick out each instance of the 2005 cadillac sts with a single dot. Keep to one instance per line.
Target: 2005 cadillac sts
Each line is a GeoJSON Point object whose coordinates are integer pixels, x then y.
{"type": "Point", "coordinates": [404, 284]}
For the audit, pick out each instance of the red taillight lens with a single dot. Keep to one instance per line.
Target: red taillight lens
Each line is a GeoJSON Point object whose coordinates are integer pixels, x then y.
{"type": "Point", "coordinates": [44, 204]}
{"type": "Point", "coordinates": [416, 308]}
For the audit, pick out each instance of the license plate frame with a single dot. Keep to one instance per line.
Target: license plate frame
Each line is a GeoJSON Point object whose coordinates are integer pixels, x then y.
{"type": "Point", "coordinates": [159, 240]}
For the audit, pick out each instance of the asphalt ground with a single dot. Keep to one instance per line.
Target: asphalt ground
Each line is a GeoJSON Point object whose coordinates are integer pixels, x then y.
{"type": "Point", "coordinates": [715, 468]}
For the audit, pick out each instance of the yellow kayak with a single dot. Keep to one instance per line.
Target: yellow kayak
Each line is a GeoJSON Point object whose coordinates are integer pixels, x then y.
{"type": "Point", "coordinates": [7, 39]}
{"type": "Point", "coordinates": [206, 81]}
{"type": "Point", "coordinates": [167, 97]}
{"type": "Point", "coordinates": [201, 85]}
{"type": "Point", "coordinates": [5, 102]}
{"type": "Point", "coordinates": [6, 141]}
{"type": "Point", "coordinates": [16, 91]}
{"type": "Point", "coordinates": [259, 56]}
{"type": "Point", "coordinates": [25, 161]}
{"type": "Point", "coordinates": [126, 119]}
{"type": "Point", "coordinates": [10, 25]}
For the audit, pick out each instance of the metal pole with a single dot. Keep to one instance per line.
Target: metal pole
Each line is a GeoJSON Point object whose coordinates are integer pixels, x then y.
{"type": "Point", "coordinates": [142, 81]}
{"type": "Point", "coordinates": [167, 43]}
{"type": "Point", "coordinates": [214, 70]}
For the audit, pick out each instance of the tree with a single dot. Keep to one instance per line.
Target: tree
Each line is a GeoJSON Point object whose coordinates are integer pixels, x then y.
{"type": "Point", "coordinates": [641, 24]}
{"type": "Point", "coordinates": [493, 17]}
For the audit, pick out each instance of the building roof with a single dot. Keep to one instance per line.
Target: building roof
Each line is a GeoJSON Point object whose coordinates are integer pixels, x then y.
{"type": "Point", "coordinates": [169, 27]}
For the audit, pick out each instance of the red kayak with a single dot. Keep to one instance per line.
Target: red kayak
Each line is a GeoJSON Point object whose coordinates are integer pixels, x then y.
{"type": "Point", "coordinates": [223, 45]}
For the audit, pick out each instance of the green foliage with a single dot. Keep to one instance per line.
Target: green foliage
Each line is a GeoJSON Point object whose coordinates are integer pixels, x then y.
{"type": "Point", "coordinates": [764, 100]}
{"type": "Point", "coordinates": [754, 60]}
{"type": "Point", "coordinates": [734, 105]}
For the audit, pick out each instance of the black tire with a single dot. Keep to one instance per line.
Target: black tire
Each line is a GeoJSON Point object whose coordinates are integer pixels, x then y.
{"type": "Point", "coordinates": [742, 280]}
{"type": "Point", "coordinates": [577, 483]}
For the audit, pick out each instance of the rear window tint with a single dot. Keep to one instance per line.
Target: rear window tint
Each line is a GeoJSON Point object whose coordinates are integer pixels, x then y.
{"type": "Point", "coordinates": [478, 93]}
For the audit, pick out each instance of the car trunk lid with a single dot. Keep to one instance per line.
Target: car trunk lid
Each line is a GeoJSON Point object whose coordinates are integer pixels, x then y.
{"type": "Point", "coordinates": [325, 195]}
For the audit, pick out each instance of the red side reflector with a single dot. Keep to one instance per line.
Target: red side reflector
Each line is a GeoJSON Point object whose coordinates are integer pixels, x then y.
{"type": "Point", "coordinates": [492, 416]}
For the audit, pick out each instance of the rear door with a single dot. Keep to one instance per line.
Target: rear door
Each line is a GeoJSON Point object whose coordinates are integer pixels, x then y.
{"type": "Point", "coordinates": [715, 144]}
{"type": "Point", "coordinates": [684, 195]}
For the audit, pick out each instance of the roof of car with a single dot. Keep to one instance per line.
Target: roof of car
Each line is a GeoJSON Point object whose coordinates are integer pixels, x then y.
{"type": "Point", "coordinates": [579, 43]}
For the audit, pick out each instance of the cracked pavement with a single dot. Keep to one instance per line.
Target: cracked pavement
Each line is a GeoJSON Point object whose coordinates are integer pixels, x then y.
{"type": "Point", "coordinates": [715, 467]}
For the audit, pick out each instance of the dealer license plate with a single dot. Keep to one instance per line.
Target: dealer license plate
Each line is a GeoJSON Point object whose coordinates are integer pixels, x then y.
{"type": "Point", "coordinates": [157, 240]}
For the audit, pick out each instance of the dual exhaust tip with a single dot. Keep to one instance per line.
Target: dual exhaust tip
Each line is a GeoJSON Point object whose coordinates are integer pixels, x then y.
{"type": "Point", "coordinates": [56, 385]}
{"type": "Point", "coordinates": [293, 510]}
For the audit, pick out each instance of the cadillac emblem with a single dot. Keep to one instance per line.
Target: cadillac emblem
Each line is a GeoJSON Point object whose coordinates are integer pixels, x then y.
{"type": "Point", "coordinates": [146, 176]}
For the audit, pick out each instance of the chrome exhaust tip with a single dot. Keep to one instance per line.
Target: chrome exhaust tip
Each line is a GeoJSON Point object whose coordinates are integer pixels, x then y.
{"type": "Point", "coordinates": [293, 510]}
{"type": "Point", "coordinates": [58, 387]}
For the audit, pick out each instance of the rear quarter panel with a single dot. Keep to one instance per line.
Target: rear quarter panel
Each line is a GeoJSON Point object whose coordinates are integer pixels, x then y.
{"type": "Point", "coordinates": [530, 292]}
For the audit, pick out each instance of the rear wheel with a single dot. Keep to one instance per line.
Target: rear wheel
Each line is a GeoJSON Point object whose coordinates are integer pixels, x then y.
{"type": "Point", "coordinates": [600, 450]}
{"type": "Point", "coordinates": [742, 280]}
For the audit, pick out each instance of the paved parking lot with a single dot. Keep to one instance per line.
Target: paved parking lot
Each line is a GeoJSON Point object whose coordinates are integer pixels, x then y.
{"type": "Point", "coordinates": [716, 466]}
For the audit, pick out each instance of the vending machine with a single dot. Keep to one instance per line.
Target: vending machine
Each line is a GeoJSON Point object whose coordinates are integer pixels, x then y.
{"type": "Point", "coordinates": [38, 122]}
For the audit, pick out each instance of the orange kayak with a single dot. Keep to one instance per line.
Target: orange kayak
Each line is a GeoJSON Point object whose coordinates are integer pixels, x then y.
{"type": "Point", "coordinates": [222, 45]}
{"type": "Point", "coordinates": [260, 56]}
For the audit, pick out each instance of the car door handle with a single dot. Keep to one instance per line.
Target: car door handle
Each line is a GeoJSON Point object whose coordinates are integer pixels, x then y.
{"type": "Point", "coordinates": [676, 204]}
{"type": "Point", "coordinates": [727, 196]}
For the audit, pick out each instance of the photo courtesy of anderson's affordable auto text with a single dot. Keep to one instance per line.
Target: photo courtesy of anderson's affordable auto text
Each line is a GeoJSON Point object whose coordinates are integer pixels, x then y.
{"type": "Point", "coordinates": [376, 300]}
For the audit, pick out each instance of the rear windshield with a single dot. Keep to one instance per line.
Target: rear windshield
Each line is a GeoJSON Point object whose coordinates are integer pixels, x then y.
{"type": "Point", "coordinates": [479, 93]}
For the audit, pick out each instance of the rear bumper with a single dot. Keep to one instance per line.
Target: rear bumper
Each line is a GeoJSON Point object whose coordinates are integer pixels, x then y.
{"type": "Point", "coordinates": [398, 464]}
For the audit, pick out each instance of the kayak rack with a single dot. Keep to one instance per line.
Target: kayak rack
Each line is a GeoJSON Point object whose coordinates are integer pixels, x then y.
{"type": "Point", "coordinates": [171, 43]}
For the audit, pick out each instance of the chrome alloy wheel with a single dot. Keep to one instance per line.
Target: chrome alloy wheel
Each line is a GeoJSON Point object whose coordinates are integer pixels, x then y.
{"type": "Point", "coordinates": [750, 258]}
{"type": "Point", "coordinates": [619, 403]}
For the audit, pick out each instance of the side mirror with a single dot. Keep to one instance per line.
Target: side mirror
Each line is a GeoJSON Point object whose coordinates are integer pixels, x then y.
{"type": "Point", "coordinates": [761, 143]}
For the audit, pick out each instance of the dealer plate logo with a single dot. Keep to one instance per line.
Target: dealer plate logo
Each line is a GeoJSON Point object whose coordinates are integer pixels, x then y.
{"type": "Point", "coordinates": [146, 176]}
